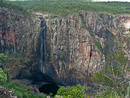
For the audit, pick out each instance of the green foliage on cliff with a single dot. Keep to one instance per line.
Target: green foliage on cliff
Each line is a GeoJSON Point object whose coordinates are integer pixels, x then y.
{"type": "Point", "coordinates": [3, 57]}
{"type": "Point", "coordinates": [84, 25]}
{"type": "Point", "coordinates": [97, 44]}
{"type": "Point", "coordinates": [77, 91]}
{"type": "Point", "coordinates": [113, 70]}
{"type": "Point", "coordinates": [15, 56]}
{"type": "Point", "coordinates": [112, 76]}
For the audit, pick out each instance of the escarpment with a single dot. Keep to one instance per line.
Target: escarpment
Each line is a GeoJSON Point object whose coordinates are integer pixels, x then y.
{"type": "Point", "coordinates": [64, 50]}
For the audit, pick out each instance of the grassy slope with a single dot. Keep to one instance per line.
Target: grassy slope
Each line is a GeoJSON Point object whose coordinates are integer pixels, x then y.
{"type": "Point", "coordinates": [64, 8]}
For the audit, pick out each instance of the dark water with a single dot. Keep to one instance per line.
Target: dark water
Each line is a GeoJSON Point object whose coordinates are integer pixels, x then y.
{"type": "Point", "coordinates": [49, 88]}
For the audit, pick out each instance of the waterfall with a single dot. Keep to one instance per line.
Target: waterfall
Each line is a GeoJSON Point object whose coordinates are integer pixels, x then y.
{"type": "Point", "coordinates": [42, 46]}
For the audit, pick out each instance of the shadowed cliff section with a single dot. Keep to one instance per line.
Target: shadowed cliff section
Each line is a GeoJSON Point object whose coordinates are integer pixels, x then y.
{"type": "Point", "coordinates": [18, 37]}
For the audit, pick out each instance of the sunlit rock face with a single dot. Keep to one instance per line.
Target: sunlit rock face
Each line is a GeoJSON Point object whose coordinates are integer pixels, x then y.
{"type": "Point", "coordinates": [125, 21]}
{"type": "Point", "coordinates": [124, 40]}
{"type": "Point", "coordinates": [62, 49]}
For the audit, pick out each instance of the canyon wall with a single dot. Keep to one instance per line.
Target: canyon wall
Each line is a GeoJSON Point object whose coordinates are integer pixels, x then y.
{"type": "Point", "coordinates": [79, 44]}
{"type": "Point", "coordinates": [18, 39]}
{"type": "Point", "coordinates": [66, 50]}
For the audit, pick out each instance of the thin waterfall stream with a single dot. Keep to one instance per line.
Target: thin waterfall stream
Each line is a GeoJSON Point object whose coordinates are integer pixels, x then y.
{"type": "Point", "coordinates": [43, 58]}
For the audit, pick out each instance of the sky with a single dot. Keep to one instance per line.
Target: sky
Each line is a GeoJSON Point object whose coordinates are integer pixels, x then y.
{"type": "Point", "coordinates": [113, 0]}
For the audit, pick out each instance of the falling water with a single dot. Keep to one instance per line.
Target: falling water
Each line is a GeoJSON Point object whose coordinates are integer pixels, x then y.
{"type": "Point", "coordinates": [42, 48]}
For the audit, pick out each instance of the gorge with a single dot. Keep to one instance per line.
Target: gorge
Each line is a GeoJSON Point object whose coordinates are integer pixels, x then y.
{"type": "Point", "coordinates": [62, 50]}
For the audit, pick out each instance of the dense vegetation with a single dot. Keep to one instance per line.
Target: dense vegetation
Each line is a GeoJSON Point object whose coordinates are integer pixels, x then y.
{"type": "Point", "coordinates": [64, 7]}
{"type": "Point", "coordinates": [8, 4]}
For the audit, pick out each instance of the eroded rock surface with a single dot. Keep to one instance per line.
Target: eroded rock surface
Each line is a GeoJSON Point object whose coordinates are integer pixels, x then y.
{"type": "Point", "coordinates": [67, 50]}
{"type": "Point", "coordinates": [18, 39]}
{"type": "Point", "coordinates": [76, 50]}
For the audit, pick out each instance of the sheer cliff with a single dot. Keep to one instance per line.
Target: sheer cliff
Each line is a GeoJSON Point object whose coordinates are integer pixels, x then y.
{"type": "Point", "coordinates": [67, 50]}
{"type": "Point", "coordinates": [18, 38]}
{"type": "Point", "coordinates": [80, 43]}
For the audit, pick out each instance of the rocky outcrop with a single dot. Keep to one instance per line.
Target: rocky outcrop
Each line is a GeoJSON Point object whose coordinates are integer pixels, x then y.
{"type": "Point", "coordinates": [65, 50]}
{"type": "Point", "coordinates": [5, 93]}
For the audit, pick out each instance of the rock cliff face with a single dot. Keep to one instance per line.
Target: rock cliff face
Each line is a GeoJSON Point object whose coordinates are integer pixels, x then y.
{"type": "Point", "coordinates": [18, 38]}
{"type": "Point", "coordinates": [67, 50]}
{"type": "Point", "coordinates": [79, 44]}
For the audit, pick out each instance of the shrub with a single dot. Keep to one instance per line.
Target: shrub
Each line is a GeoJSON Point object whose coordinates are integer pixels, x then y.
{"type": "Point", "coordinates": [3, 57]}
{"type": "Point", "coordinates": [20, 90]}
{"type": "Point", "coordinates": [3, 76]}
{"type": "Point", "coordinates": [77, 91]}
